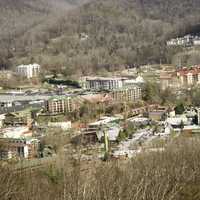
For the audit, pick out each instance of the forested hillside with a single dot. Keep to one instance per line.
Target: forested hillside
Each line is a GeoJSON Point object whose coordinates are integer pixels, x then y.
{"type": "Point", "coordinates": [120, 32]}
{"type": "Point", "coordinates": [172, 174]}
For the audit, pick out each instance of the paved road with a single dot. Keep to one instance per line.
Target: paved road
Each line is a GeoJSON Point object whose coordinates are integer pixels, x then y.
{"type": "Point", "coordinates": [10, 97]}
{"type": "Point", "coordinates": [19, 108]}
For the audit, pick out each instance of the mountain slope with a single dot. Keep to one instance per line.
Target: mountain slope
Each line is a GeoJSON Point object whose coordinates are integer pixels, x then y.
{"type": "Point", "coordinates": [120, 32]}
{"type": "Point", "coordinates": [19, 18]}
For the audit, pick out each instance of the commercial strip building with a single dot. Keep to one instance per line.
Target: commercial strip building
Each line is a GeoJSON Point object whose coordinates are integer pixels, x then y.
{"type": "Point", "coordinates": [28, 71]}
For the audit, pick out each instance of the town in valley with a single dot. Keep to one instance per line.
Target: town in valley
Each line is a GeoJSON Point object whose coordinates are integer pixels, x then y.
{"type": "Point", "coordinates": [115, 116]}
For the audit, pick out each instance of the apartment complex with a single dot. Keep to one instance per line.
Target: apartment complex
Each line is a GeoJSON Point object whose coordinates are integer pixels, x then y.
{"type": "Point", "coordinates": [131, 94]}
{"type": "Point", "coordinates": [28, 71]}
{"type": "Point", "coordinates": [57, 105]}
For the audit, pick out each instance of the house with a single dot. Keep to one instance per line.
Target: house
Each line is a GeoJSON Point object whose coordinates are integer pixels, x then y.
{"type": "Point", "coordinates": [18, 148]}
{"type": "Point", "coordinates": [29, 71]}
{"type": "Point", "coordinates": [17, 142]}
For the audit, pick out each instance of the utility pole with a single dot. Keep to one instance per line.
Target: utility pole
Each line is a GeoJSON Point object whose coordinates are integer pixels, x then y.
{"type": "Point", "coordinates": [106, 145]}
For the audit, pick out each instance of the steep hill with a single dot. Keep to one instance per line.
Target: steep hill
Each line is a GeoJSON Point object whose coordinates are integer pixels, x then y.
{"type": "Point", "coordinates": [119, 33]}
{"type": "Point", "coordinates": [20, 18]}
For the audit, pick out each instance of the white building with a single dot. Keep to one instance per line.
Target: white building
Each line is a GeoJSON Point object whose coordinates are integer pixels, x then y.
{"type": "Point", "coordinates": [198, 115]}
{"type": "Point", "coordinates": [109, 83]}
{"type": "Point", "coordinates": [6, 104]}
{"type": "Point", "coordinates": [104, 83]}
{"type": "Point", "coordinates": [196, 42]}
{"type": "Point", "coordinates": [63, 125]}
{"type": "Point", "coordinates": [105, 123]}
{"type": "Point", "coordinates": [28, 71]}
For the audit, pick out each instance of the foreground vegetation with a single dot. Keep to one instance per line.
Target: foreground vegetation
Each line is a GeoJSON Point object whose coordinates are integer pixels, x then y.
{"type": "Point", "coordinates": [173, 174]}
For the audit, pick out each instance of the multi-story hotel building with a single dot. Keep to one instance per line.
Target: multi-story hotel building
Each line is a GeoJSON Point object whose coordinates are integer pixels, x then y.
{"type": "Point", "coordinates": [130, 94]}
{"type": "Point", "coordinates": [183, 77]}
{"type": "Point", "coordinates": [28, 71]}
{"type": "Point", "coordinates": [189, 76]}
{"type": "Point", "coordinates": [56, 105]}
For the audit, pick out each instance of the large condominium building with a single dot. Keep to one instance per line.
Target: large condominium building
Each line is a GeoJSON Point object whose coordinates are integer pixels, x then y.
{"type": "Point", "coordinates": [169, 80]}
{"type": "Point", "coordinates": [130, 94]}
{"type": "Point", "coordinates": [56, 105]}
{"type": "Point", "coordinates": [183, 77]}
{"type": "Point", "coordinates": [28, 71]}
{"type": "Point", "coordinates": [103, 83]}
{"type": "Point", "coordinates": [110, 83]}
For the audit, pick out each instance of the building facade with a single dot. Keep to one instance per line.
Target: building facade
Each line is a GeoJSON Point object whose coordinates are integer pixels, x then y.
{"type": "Point", "coordinates": [130, 94]}
{"type": "Point", "coordinates": [103, 83]}
{"type": "Point", "coordinates": [18, 142]}
{"type": "Point", "coordinates": [57, 105]}
{"type": "Point", "coordinates": [184, 77]}
{"type": "Point", "coordinates": [189, 76]}
{"type": "Point", "coordinates": [19, 148]}
{"type": "Point", "coordinates": [28, 71]}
